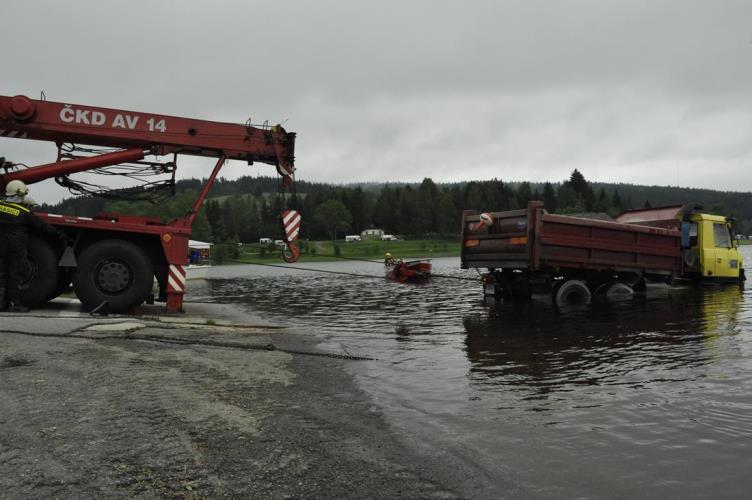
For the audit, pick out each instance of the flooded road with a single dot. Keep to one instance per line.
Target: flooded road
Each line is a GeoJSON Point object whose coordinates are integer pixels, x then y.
{"type": "Point", "coordinates": [651, 396]}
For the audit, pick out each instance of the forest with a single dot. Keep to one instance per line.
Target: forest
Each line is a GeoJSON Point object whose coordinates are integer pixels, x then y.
{"type": "Point", "coordinates": [246, 209]}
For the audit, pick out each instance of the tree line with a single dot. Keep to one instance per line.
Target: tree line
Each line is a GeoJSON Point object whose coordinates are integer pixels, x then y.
{"type": "Point", "coordinates": [248, 208]}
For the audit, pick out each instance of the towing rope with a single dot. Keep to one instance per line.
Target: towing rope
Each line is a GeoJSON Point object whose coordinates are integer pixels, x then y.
{"type": "Point", "coordinates": [359, 275]}
{"type": "Point", "coordinates": [298, 268]}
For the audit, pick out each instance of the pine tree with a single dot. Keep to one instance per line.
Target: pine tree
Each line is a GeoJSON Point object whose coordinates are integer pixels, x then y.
{"type": "Point", "coordinates": [549, 197]}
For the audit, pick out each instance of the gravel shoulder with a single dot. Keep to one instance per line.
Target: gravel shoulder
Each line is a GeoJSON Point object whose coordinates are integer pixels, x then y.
{"type": "Point", "coordinates": [191, 407]}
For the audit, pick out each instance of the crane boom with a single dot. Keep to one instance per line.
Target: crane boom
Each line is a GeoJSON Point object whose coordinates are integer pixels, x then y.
{"type": "Point", "coordinates": [25, 118]}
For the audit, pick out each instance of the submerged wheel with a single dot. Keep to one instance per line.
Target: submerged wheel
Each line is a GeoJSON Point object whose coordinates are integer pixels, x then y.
{"type": "Point", "coordinates": [114, 271]}
{"type": "Point", "coordinates": [571, 293]}
{"type": "Point", "coordinates": [616, 290]}
{"type": "Point", "coordinates": [42, 273]}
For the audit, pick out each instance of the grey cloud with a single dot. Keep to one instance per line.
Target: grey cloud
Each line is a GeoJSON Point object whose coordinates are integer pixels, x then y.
{"type": "Point", "coordinates": [635, 91]}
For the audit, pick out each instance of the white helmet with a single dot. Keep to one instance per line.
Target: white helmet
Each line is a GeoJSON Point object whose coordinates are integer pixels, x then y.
{"type": "Point", "coordinates": [16, 188]}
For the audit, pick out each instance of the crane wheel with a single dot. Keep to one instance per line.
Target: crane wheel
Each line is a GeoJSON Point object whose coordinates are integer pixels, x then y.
{"type": "Point", "coordinates": [63, 283]}
{"type": "Point", "coordinates": [114, 271]}
{"type": "Point", "coordinates": [42, 273]}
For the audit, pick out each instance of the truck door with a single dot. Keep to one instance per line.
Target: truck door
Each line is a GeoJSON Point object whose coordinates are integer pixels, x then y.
{"type": "Point", "coordinates": [725, 255]}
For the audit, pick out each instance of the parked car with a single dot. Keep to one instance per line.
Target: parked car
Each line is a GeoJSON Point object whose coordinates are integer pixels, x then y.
{"type": "Point", "coordinates": [388, 237]}
{"type": "Point", "coordinates": [352, 237]}
{"type": "Point", "coordinates": [265, 241]}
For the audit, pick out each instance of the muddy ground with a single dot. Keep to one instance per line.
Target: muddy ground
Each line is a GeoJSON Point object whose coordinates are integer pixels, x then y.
{"type": "Point", "coordinates": [115, 408]}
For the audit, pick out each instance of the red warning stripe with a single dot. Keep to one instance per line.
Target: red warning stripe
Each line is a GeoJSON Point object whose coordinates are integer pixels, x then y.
{"type": "Point", "coordinates": [291, 223]}
{"type": "Point", "coordinates": [12, 133]}
{"type": "Point", "coordinates": [176, 279]}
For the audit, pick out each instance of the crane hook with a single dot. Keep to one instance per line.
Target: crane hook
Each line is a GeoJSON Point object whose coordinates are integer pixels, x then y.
{"type": "Point", "coordinates": [290, 222]}
{"type": "Point", "coordinates": [294, 253]}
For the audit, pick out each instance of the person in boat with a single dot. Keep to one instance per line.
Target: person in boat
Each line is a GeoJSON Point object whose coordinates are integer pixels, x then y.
{"type": "Point", "coordinates": [389, 260]}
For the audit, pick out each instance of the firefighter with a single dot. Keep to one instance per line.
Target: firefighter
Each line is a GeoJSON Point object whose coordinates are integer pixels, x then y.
{"type": "Point", "coordinates": [16, 219]}
{"type": "Point", "coordinates": [389, 260]}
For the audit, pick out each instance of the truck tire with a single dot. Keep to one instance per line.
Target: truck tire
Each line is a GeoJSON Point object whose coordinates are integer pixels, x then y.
{"type": "Point", "coordinates": [114, 271]}
{"type": "Point", "coordinates": [618, 291]}
{"type": "Point", "coordinates": [42, 272]}
{"type": "Point", "coordinates": [571, 293]}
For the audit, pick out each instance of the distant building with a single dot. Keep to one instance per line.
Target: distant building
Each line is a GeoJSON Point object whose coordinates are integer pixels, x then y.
{"type": "Point", "coordinates": [372, 233]}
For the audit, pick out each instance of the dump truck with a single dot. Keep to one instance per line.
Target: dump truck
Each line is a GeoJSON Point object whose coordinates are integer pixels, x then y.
{"type": "Point", "coordinates": [532, 251]}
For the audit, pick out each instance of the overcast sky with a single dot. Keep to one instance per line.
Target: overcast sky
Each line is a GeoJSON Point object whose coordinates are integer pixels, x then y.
{"type": "Point", "coordinates": [653, 92]}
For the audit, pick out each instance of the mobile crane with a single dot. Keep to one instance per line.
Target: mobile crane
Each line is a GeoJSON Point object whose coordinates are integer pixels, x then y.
{"type": "Point", "coordinates": [117, 257]}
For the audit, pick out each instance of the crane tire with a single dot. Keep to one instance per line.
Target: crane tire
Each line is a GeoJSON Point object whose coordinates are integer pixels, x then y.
{"type": "Point", "coordinates": [572, 292]}
{"type": "Point", "coordinates": [114, 271]}
{"type": "Point", "coordinates": [42, 273]}
{"type": "Point", "coordinates": [63, 283]}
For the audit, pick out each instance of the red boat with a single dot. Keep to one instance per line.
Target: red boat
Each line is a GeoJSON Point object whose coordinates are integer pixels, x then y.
{"type": "Point", "coordinates": [410, 271]}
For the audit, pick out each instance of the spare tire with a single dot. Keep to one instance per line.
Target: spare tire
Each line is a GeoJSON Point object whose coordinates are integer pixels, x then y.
{"type": "Point", "coordinates": [114, 271]}
{"type": "Point", "coordinates": [691, 257]}
{"type": "Point", "coordinates": [42, 274]}
{"type": "Point", "coordinates": [572, 293]}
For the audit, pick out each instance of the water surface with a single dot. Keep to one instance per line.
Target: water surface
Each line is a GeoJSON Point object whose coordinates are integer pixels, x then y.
{"type": "Point", "coordinates": [651, 396]}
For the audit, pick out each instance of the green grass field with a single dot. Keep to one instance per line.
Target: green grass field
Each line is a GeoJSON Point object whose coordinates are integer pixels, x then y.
{"type": "Point", "coordinates": [320, 251]}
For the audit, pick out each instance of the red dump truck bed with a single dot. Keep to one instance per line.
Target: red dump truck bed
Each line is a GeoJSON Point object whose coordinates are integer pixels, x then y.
{"type": "Point", "coordinates": [534, 240]}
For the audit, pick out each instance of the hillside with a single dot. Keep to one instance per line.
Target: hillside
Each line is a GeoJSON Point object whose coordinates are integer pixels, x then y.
{"type": "Point", "coordinates": [246, 209]}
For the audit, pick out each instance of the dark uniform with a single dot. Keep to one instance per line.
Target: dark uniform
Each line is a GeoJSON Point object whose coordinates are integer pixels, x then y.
{"type": "Point", "coordinates": [15, 222]}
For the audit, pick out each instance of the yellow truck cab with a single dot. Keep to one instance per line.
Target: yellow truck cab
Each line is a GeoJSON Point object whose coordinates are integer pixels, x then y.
{"type": "Point", "coordinates": [710, 250]}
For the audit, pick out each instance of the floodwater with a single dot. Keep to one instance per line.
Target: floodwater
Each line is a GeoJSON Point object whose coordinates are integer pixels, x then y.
{"type": "Point", "coordinates": [648, 397]}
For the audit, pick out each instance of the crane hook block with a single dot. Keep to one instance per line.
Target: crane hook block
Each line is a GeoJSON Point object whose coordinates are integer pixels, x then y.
{"type": "Point", "coordinates": [290, 222]}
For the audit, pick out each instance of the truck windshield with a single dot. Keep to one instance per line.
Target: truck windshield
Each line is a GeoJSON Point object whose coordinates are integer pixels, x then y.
{"type": "Point", "coordinates": [721, 236]}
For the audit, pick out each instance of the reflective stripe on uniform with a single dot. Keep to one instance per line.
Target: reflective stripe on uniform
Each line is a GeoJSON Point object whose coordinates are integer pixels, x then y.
{"type": "Point", "coordinates": [12, 208]}
{"type": "Point", "coordinates": [16, 205]}
{"type": "Point", "coordinates": [9, 210]}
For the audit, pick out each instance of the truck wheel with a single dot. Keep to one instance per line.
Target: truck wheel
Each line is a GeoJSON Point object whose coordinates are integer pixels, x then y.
{"type": "Point", "coordinates": [114, 271]}
{"type": "Point", "coordinates": [42, 272]}
{"type": "Point", "coordinates": [572, 292]}
{"type": "Point", "coordinates": [618, 291]}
